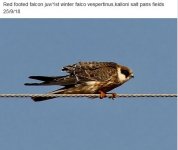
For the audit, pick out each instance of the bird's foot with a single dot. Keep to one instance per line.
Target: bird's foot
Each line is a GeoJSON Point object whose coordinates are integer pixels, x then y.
{"type": "Point", "coordinates": [102, 94]}
{"type": "Point", "coordinates": [113, 95]}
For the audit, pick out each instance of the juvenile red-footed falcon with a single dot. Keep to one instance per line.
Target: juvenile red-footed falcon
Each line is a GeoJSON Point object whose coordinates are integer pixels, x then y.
{"type": "Point", "coordinates": [86, 78]}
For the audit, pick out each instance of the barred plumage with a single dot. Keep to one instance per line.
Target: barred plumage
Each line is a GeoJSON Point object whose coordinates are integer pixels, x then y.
{"type": "Point", "coordinates": [87, 78]}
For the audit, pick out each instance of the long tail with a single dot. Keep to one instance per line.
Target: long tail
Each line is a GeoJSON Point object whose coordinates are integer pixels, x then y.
{"type": "Point", "coordinates": [38, 99]}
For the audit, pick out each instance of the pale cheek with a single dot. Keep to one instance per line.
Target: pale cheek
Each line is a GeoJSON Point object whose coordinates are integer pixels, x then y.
{"type": "Point", "coordinates": [121, 77]}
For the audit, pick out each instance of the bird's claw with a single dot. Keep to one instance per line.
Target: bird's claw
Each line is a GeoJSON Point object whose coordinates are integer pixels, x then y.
{"type": "Point", "coordinates": [114, 95]}
{"type": "Point", "coordinates": [102, 94]}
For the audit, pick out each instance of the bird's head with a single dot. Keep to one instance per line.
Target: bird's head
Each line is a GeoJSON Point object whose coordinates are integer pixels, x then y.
{"type": "Point", "coordinates": [124, 74]}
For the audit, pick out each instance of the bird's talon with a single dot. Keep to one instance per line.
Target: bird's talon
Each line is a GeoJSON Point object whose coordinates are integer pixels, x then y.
{"type": "Point", "coordinates": [102, 94]}
{"type": "Point", "coordinates": [114, 95]}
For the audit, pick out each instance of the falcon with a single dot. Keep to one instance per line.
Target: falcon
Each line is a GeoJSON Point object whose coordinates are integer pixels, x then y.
{"type": "Point", "coordinates": [86, 78]}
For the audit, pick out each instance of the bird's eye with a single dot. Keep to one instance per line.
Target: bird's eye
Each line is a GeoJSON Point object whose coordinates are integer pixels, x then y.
{"type": "Point", "coordinates": [125, 72]}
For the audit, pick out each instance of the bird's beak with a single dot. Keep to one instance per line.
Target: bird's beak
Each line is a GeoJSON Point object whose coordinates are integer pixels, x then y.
{"type": "Point", "coordinates": [132, 75]}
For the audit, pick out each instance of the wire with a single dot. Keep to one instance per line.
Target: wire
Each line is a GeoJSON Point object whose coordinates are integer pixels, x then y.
{"type": "Point", "coordinates": [88, 95]}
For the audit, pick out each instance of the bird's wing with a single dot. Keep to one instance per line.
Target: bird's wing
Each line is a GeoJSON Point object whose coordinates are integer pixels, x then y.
{"type": "Point", "coordinates": [92, 71]}
{"type": "Point", "coordinates": [55, 80]}
{"type": "Point", "coordinates": [87, 66]}
{"type": "Point", "coordinates": [80, 73]}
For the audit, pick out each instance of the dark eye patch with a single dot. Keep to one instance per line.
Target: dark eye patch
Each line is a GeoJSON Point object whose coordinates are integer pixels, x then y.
{"type": "Point", "coordinates": [125, 72]}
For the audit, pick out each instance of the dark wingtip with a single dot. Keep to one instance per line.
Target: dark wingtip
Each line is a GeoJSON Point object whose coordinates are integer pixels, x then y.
{"type": "Point", "coordinates": [31, 84]}
{"type": "Point", "coordinates": [32, 77]}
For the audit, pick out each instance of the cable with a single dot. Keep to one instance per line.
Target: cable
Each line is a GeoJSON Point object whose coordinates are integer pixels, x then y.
{"type": "Point", "coordinates": [88, 95]}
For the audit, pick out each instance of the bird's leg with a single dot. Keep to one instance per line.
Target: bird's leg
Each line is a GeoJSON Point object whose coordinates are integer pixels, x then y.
{"type": "Point", "coordinates": [102, 94]}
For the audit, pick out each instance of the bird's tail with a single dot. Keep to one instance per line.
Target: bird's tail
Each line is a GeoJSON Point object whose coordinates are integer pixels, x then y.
{"type": "Point", "coordinates": [38, 99]}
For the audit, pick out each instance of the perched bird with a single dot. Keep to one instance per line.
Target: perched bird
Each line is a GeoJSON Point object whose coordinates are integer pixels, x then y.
{"type": "Point", "coordinates": [86, 78]}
